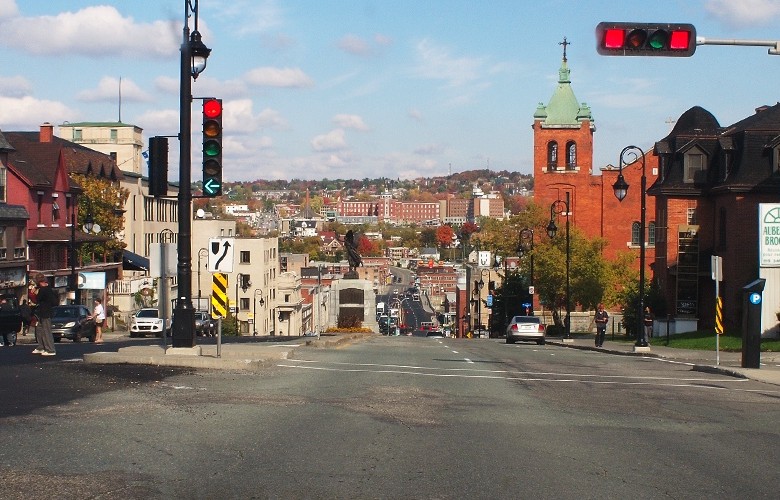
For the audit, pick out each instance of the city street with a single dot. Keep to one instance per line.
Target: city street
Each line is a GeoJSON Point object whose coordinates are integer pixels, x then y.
{"type": "Point", "coordinates": [388, 417]}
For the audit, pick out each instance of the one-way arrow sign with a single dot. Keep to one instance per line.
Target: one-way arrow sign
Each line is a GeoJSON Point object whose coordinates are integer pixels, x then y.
{"type": "Point", "coordinates": [221, 255]}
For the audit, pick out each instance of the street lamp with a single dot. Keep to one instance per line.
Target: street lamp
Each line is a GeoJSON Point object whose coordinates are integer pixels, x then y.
{"type": "Point", "coordinates": [202, 253]}
{"type": "Point", "coordinates": [193, 61]}
{"type": "Point", "coordinates": [559, 207]}
{"type": "Point", "coordinates": [634, 153]}
{"type": "Point", "coordinates": [254, 311]}
{"type": "Point", "coordinates": [89, 227]}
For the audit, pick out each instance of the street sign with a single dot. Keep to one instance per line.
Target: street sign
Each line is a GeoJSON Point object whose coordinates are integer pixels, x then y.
{"type": "Point", "coordinates": [221, 255]}
{"type": "Point", "coordinates": [219, 299]}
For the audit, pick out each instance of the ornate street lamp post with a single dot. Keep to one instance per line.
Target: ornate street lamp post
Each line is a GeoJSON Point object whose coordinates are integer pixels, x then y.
{"type": "Point", "coordinates": [633, 154]}
{"type": "Point", "coordinates": [526, 244]}
{"type": "Point", "coordinates": [254, 311]}
{"type": "Point", "coordinates": [562, 207]}
{"type": "Point", "coordinates": [193, 61]}
{"type": "Point", "coordinates": [202, 253]}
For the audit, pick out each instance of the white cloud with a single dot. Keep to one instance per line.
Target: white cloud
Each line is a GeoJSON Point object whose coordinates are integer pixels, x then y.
{"type": "Point", "coordinates": [108, 90]}
{"type": "Point", "coordinates": [430, 150]}
{"type": "Point", "coordinates": [8, 8]}
{"type": "Point", "coordinates": [353, 122]}
{"type": "Point", "coordinates": [354, 45]}
{"type": "Point", "coordinates": [744, 13]}
{"type": "Point", "coordinates": [99, 31]}
{"type": "Point", "coordinates": [14, 86]}
{"type": "Point", "coordinates": [332, 141]}
{"type": "Point", "coordinates": [251, 16]}
{"type": "Point", "coordinates": [436, 63]}
{"type": "Point", "coordinates": [28, 113]}
{"type": "Point", "coordinates": [278, 77]}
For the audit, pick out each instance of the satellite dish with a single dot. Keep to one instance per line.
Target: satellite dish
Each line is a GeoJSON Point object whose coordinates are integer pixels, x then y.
{"type": "Point", "coordinates": [200, 213]}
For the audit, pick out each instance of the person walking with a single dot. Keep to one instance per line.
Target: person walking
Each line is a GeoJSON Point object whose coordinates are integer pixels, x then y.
{"type": "Point", "coordinates": [602, 318]}
{"type": "Point", "coordinates": [47, 299]}
{"type": "Point", "coordinates": [648, 322]}
{"type": "Point", "coordinates": [26, 313]}
{"type": "Point", "coordinates": [99, 313]}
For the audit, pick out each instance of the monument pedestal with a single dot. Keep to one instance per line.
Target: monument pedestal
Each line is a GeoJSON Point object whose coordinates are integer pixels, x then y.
{"type": "Point", "coordinates": [352, 298]}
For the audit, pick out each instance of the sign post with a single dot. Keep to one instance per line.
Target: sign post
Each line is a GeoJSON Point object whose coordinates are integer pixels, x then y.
{"type": "Point", "coordinates": [717, 276]}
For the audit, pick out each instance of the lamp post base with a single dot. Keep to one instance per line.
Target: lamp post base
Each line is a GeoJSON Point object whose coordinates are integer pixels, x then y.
{"type": "Point", "coordinates": [642, 348]}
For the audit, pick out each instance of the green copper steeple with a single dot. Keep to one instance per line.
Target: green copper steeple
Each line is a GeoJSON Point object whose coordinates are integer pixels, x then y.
{"type": "Point", "coordinates": [563, 110]}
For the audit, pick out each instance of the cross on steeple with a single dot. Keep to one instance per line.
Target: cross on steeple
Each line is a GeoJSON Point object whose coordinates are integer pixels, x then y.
{"type": "Point", "coordinates": [564, 43]}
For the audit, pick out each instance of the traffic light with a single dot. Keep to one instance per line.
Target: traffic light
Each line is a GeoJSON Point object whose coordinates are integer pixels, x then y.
{"type": "Point", "coordinates": [212, 147]}
{"type": "Point", "coordinates": [646, 39]}
{"type": "Point", "coordinates": [158, 166]}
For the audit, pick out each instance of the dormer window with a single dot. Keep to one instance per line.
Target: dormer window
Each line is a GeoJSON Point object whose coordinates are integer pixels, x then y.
{"type": "Point", "coordinates": [695, 161]}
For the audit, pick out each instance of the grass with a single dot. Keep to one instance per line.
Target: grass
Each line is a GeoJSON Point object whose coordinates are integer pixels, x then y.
{"type": "Point", "coordinates": [704, 341]}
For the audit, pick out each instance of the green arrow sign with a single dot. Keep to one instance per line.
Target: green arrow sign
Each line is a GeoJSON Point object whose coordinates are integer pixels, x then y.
{"type": "Point", "coordinates": [211, 187]}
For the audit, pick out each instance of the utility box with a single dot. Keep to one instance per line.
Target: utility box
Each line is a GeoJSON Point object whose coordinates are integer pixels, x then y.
{"type": "Point", "coordinates": [751, 323]}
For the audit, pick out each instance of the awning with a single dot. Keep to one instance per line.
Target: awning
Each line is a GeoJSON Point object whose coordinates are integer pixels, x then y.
{"type": "Point", "coordinates": [134, 262]}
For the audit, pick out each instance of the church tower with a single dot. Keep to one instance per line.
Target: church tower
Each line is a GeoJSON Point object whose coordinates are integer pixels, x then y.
{"type": "Point", "coordinates": [563, 149]}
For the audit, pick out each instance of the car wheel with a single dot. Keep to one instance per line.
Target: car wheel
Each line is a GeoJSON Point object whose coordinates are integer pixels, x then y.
{"type": "Point", "coordinates": [133, 335]}
{"type": "Point", "coordinates": [540, 341]}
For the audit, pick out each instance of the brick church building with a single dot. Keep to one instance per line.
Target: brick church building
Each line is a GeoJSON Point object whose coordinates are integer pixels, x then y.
{"type": "Point", "coordinates": [563, 166]}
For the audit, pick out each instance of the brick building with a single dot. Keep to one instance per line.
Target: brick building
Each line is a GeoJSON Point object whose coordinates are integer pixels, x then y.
{"type": "Point", "coordinates": [563, 164]}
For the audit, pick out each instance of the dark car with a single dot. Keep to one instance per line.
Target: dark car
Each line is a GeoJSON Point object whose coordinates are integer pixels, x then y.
{"type": "Point", "coordinates": [73, 323]}
{"type": "Point", "coordinates": [205, 325]}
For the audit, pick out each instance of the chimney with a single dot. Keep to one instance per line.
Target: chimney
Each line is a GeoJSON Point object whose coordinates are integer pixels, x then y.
{"type": "Point", "coordinates": [47, 132]}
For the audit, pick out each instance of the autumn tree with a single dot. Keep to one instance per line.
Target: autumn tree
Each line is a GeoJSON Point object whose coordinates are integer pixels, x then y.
{"type": "Point", "coordinates": [444, 236]}
{"type": "Point", "coordinates": [104, 202]}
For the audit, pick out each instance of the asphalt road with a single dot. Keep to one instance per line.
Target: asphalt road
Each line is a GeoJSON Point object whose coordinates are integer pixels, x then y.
{"type": "Point", "coordinates": [391, 417]}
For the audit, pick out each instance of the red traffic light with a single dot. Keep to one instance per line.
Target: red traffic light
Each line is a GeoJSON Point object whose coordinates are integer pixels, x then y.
{"type": "Point", "coordinates": [212, 108]}
{"type": "Point", "coordinates": [645, 39]}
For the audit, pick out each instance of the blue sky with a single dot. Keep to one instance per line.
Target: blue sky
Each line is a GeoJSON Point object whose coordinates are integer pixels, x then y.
{"type": "Point", "coordinates": [370, 88]}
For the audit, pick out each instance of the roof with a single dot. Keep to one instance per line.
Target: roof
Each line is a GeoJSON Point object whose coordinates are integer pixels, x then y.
{"type": "Point", "coordinates": [62, 235]}
{"type": "Point", "coordinates": [134, 262]}
{"type": "Point", "coordinates": [99, 124]}
{"type": "Point", "coordinates": [563, 110]}
{"type": "Point", "coordinates": [4, 144]}
{"type": "Point", "coordinates": [13, 212]}
{"type": "Point", "coordinates": [38, 161]}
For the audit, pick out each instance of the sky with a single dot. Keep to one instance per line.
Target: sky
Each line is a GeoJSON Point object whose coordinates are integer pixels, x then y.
{"type": "Point", "coordinates": [317, 89]}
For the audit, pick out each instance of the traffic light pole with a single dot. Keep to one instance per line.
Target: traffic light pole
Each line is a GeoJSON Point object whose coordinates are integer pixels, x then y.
{"type": "Point", "coordinates": [184, 314]}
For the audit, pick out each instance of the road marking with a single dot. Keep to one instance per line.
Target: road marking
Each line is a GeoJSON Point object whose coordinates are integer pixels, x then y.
{"type": "Point", "coordinates": [526, 376]}
{"type": "Point", "coordinates": [468, 361]}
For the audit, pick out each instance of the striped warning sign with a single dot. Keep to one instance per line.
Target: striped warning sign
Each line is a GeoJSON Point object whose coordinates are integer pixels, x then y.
{"type": "Point", "coordinates": [219, 300]}
{"type": "Point", "coordinates": [719, 316]}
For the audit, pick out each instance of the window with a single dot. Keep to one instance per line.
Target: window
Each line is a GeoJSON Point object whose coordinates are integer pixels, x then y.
{"type": "Point", "coordinates": [635, 234]}
{"type": "Point", "coordinates": [695, 161]}
{"type": "Point", "coordinates": [571, 155]}
{"type": "Point", "coordinates": [552, 155]}
{"type": "Point", "coordinates": [244, 257]}
{"type": "Point", "coordinates": [113, 135]}
{"type": "Point", "coordinates": [651, 234]}
{"type": "Point", "coordinates": [287, 297]}
{"type": "Point", "coordinates": [2, 184]}
{"type": "Point", "coordinates": [691, 215]}
{"type": "Point", "coordinates": [77, 134]}
{"type": "Point", "coordinates": [244, 304]}
{"type": "Point", "coordinates": [55, 211]}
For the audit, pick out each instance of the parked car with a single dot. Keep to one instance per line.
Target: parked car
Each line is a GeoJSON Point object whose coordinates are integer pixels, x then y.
{"type": "Point", "coordinates": [72, 322]}
{"type": "Point", "coordinates": [205, 325]}
{"type": "Point", "coordinates": [147, 321]}
{"type": "Point", "coordinates": [10, 318]}
{"type": "Point", "coordinates": [525, 328]}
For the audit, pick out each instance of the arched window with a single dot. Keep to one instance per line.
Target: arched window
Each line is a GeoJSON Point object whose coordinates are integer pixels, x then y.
{"type": "Point", "coordinates": [651, 234]}
{"type": "Point", "coordinates": [571, 155]}
{"type": "Point", "coordinates": [635, 234]}
{"type": "Point", "coordinates": [552, 155]}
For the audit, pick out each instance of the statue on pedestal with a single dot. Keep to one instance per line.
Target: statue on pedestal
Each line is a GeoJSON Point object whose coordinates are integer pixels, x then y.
{"type": "Point", "coordinates": [353, 257]}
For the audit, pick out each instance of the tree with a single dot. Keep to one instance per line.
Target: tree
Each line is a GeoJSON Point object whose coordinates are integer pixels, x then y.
{"type": "Point", "coordinates": [104, 201]}
{"type": "Point", "coordinates": [428, 237]}
{"type": "Point", "coordinates": [444, 236]}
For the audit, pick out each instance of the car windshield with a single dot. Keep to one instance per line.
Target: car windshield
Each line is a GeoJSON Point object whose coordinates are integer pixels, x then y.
{"type": "Point", "coordinates": [526, 319]}
{"type": "Point", "coordinates": [65, 312]}
{"type": "Point", "coordinates": [147, 313]}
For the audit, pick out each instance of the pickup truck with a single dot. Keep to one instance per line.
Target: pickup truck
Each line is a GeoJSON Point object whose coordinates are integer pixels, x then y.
{"type": "Point", "coordinates": [10, 318]}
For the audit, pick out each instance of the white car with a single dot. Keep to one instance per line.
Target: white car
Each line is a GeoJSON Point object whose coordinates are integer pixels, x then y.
{"type": "Point", "coordinates": [147, 322]}
{"type": "Point", "coordinates": [525, 328]}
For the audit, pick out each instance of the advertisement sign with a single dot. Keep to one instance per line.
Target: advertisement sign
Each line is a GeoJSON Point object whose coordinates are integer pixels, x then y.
{"type": "Point", "coordinates": [769, 234]}
{"type": "Point", "coordinates": [92, 281]}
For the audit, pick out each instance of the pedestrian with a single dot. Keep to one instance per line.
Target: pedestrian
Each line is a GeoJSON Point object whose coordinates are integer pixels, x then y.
{"type": "Point", "coordinates": [99, 314]}
{"type": "Point", "coordinates": [26, 312]}
{"type": "Point", "coordinates": [9, 337]}
{"type": "Point", "coordinates": [648, 321]}
{"type": "Point", "coordinates": [602, 318]}
{"type": "Point", "coordinates": [47, 299]}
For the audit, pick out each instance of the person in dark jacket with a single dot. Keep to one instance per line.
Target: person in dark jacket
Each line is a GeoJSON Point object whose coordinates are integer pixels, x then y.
{"type": "Point", "coordinates": [47, 299]}
{"type": "Point", "coordinates": [26, 312]}
{"type": "Point", "coordinates": [602, 318]}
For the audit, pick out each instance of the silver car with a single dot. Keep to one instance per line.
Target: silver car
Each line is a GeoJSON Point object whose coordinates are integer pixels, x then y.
{"type": "Point", "coordinates": [525, 328]}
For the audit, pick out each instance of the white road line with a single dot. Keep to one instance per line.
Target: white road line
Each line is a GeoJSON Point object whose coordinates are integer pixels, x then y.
{"type": "Point", "coordinates": [537, 379]}
{"type": "Point", "coordinates": [468, 361]}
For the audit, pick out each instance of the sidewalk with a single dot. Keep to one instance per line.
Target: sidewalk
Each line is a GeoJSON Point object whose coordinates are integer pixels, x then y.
{"type": "Point", "coordinates": [703, 361]}
{"type": "Point", "coordinates": [233, 356]}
